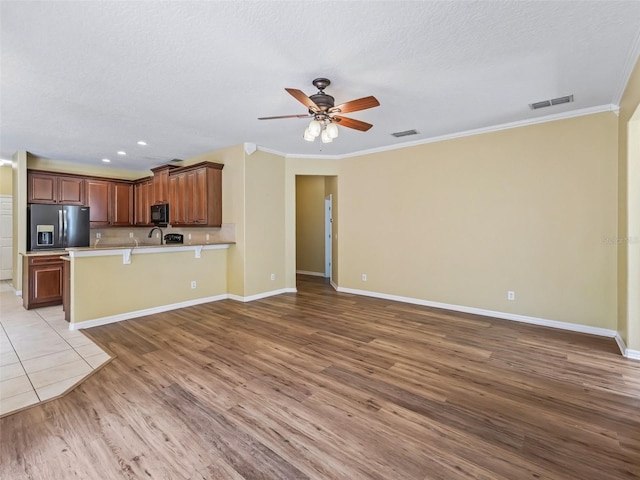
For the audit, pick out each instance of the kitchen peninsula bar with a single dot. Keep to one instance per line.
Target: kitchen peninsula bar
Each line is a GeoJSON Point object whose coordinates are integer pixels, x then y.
{"type": "Point", "coordinates": [117, 283]}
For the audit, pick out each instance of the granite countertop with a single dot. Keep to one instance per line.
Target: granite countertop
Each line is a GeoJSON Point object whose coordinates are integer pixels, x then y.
{"type": "Point", "coordinates": [41, 253]}
{"type": "Point", "coordinates": [107, 246]}
{"type": "Point", "coordinates": [115, 246]}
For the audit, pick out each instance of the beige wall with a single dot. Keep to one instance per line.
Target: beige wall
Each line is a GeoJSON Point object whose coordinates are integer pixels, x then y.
{"type": "Point", "coordinates": [104, 286]}
{"type": "Point", "coordinates": [39, 163]}
{"type": "Point", "coordinates": [331, 188]}
{"type": "Point", "coordinates": [6, 187]}
{"type": "Point", "coordinates": [233, 208]}
{"type": "Point", "coordinates": [19, 193]}
{"type": "Point", "coordinates": [310, 248]}
{"type": "Point", "coordinates": [629, 211]}
{"type": "Point", "coordinates": [463, 221]}
{"type": "Point", "coordinates": [265, 223]}
{"type": "Point", "coordinates": [253, 196]}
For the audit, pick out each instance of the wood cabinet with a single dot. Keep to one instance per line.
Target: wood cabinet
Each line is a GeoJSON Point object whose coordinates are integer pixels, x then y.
{"type": "Point", "coordinates": [161, 190]}
{"type": "Point", "coordinates": [195, 195]}
{"type": "Point", "coordinates": [98, 202]}
{"type": "Point", "coordinates": [110, 203]}
{"type": "Point", "coordinates": [42, 281]}
{"type": "Point", "coordinates": [121, 204]}
{"type": "Point", "coordinates": [44, 187]}
{"type": "Point", "coordinates": [177, 194]}
{"type": "Point", "coordinates": [143, 199]}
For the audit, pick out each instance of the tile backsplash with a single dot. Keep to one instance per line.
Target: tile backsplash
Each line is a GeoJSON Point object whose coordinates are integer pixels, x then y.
{"type": "Point", "coordinates": [133, 236]}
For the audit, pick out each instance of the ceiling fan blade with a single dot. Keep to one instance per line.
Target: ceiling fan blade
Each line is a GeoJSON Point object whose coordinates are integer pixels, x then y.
{"type": "Point", "coordinates": [303, 99]}
{"type": "Point", "coordinates": [284, 116]}
{"type": "Point", "coordinates": [355, 105]}
{"type": "Point", "coordinates": [351, 123]}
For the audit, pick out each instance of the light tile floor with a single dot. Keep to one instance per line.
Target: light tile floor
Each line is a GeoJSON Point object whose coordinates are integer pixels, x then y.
{"type": "Point", "coordinates": [40, 358]}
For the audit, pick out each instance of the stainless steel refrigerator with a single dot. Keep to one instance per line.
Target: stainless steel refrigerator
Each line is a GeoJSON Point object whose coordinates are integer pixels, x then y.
{"type": "Point", "coordinates": [57, 226]}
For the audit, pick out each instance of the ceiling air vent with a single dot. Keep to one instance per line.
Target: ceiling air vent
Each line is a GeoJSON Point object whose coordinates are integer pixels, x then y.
{"type": "Point", "coordinates": [405, 133]}
{"type": "Point", "coordinates": [553, 101]}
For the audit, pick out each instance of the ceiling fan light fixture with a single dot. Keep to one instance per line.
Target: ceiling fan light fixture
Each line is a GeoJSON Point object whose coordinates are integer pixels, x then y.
{"type": "Point", "coordinates": [332, 130]}
{"type": "Point", "coordinates": [325, 137]}
{"type": "Point", "coordinates": [307, 135]}
{"type": "Point", "coordinates": [323, 111]}
{"type": "Point", "coordinates": [315, 127]}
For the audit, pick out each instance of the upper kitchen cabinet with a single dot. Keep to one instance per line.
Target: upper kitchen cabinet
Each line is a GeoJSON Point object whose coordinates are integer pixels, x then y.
{"type": "Point", "coordinates": [121, 204]}
{"type": "Point", "coordinates": [49, 188]}
{"type": "Point", "coordinates": [98, 202]}
{"type": "Point", "coordinates": [161, 183]}
{"type": "Point", "coordinates": [110, 203]}
{"type": "Point", "coordinates": [195, 194]}
{"type": "Point", "coordinates": [143, 199]}
{"type": "Point", "coordinates": [177, 199]}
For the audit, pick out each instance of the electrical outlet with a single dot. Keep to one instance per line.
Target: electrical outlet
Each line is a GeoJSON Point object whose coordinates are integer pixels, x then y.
{"type": "Point", "coordinates": [193, 284]}
{"type": "Point", "coordinates": [511, 295]}
{"type": "Point", "coordinates": [273, 276]}
{"type": "Point", "coordinates": [98, 235]}
{"type": "Point", "coordinates": [364, 277]}
{"type": "Point", "coordinates": [207, 237]}
{"type": "Point", "coordinates": [130, 234]}
{"type": "Point", "coordinates": [189, 236]}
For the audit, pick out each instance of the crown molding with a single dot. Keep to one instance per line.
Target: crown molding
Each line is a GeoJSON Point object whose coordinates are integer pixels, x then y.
{"type": "Point", "coordinates": [466, 133]}
{"type": "Point", "coordinates": [632, 59]}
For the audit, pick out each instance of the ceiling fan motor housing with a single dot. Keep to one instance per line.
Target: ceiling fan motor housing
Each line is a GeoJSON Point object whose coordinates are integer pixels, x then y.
{"type": "Point", "coordinates": [322, 100]}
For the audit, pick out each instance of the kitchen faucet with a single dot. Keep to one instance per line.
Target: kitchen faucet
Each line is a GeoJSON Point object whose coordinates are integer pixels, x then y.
{"type": "Point", "coordinates": [161, 235]}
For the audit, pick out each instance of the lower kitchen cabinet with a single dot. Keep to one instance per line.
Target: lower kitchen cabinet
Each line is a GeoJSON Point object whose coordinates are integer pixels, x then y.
{"type": "Point", "coordinates": [42, 281]}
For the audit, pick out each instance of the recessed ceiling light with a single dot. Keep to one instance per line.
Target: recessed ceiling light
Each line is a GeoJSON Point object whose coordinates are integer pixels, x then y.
{"type": "Point", "coordinates": [122, 152]}
{"type": "Point", "coordinates": [106, 160]}
{"type": "Point", "coordinates": [142, 142]}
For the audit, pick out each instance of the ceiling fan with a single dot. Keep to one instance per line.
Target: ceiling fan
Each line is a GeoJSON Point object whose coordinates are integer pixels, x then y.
{"type": "Point", "coordinates": [325, 115]}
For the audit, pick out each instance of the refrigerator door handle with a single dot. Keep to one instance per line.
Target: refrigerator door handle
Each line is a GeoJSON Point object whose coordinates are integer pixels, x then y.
{"type": "Point", "coordinates": [60, 227]}
{"type": "Point", "coordinates": [64, 227]}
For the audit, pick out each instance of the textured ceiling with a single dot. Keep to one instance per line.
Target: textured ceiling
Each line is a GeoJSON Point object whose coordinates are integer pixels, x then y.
{"type": "Point", "coordinates": [82, 80]}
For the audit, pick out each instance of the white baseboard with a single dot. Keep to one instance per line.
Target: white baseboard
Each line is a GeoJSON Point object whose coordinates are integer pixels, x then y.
{"type": "Point", "coordinates": [633, 354]}
{"type": "Point", "coordinates": [173, 306]}
{"type": "Point", "coordinates": [258, 296]}
{"type": "Point", "coordinates": [315, 274]}
{"type": "Point", "coordinates": [621, 344]}
{"type": "Point", "coordinates": [627, 352]}
{"type": "Point", "coordinates": [335, 287]}
{"type": "Point", "coordinates": [141, 313]}
{"type": "Point", "coordinates": [574, 327]}
{"type": "Point", "coordinates": [603, 332]}
{"type": "Point", "coordinates": [18, 293]}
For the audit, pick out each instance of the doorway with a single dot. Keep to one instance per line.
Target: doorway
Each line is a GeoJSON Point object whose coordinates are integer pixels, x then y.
{"type": "Point", "coordinates": [316, 227]}
{"type": "Point", "coordinates": [328, 235]}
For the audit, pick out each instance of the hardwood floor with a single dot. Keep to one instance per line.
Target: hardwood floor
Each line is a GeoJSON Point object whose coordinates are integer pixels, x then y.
{"type": "Point", "coordinates": [326, 385]}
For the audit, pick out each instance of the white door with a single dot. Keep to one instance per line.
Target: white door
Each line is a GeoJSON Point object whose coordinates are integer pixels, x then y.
{"type": "Point", "coordinates": [328, 233]}
{"type": "Point", "coordinates": [6, 237]}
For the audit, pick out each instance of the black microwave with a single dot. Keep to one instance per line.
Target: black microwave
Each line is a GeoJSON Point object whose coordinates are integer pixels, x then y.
{"type": "Point", "coordinates": [160, 214]}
